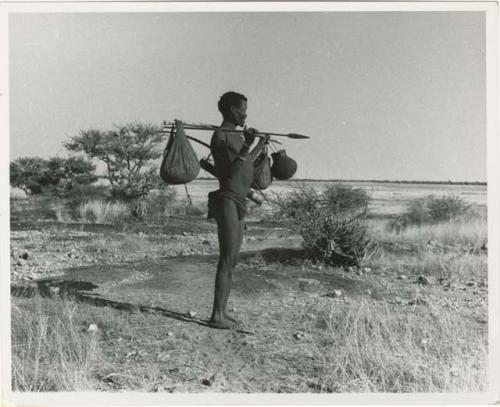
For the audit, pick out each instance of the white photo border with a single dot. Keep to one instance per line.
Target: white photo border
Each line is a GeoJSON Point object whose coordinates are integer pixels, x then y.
{"type": "Point", "coordinates": [492, 396]}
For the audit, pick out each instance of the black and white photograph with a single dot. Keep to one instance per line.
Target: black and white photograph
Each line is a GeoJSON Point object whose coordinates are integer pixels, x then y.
{"type": "Point", "coordinates": [284, 201]}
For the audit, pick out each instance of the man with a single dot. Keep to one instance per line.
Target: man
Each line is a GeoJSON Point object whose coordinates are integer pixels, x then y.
{"type": "Point", "coordinates": [234, 169]}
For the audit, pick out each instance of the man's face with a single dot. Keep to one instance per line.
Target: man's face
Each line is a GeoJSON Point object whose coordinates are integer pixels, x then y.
{"type": "Point", "coordinates": [239, 113]}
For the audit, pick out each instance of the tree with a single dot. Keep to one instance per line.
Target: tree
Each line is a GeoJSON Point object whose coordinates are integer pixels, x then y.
{"type": "Point", "coordinates": [27, 173]}
{"type": "Point", "coordinates": [68, 173]}
{"type": "Point", "coordinates": [128, 152]}
{"type": "Point", "coordinates": [35, 175]}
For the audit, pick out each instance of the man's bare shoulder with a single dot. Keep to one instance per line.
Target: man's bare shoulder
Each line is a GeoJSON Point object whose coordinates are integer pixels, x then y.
{"type": "Point", "coordinates": [219, 137]}
{"type": "Point", "coordinates": [220, 134]}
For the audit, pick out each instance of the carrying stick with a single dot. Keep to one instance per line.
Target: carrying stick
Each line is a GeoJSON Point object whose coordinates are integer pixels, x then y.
{"type": "Point", "coordinates": [211, 127]}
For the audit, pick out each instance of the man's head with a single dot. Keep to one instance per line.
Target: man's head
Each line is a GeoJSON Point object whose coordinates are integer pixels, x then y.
{"type": "Point", "coordinates": [233, 107]}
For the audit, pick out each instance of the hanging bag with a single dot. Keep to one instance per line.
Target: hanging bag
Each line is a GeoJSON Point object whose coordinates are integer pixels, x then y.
{"type": "Point", "coordinates": [262, 177]}
{"type": "Point", "coordinates": [283, 167]}
{"type": "Point", "coordinates": [180, 163]}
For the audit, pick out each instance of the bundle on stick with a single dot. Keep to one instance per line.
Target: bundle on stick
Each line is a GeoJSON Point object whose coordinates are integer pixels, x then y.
{"type": "Point", "coordinates": [180, 163]}
{"type": "Point", "coordinates": [262, 177]}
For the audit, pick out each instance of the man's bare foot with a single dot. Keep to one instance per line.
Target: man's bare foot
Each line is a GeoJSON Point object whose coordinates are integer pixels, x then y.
{"type": "Point", "coordinates": [230, 317]}
{"type": "Point", "coordinates": [221, 323]}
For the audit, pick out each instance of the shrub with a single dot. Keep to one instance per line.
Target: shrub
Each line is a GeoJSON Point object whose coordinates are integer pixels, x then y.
{"type": "Point", "coordinates": [431, 209]}
{"type": "Point", "coordinates": [332, 223]}
{"type": "Point", "coordinates": [196, 210]}
{"type": "Point", "coordinates": [343, 198]}
{"type": "Point", "coordinates": [155, 205]}
{"type": "Point", "coordinates": [447, 207]}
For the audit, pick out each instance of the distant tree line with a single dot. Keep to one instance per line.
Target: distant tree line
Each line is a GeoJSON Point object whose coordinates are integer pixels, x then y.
{"type": "Point", "coordinates": [388, 181]}
{"type": "Point", "coordinates": [35, 175]}
{"type": "Point", "coordinates": [129, 153]}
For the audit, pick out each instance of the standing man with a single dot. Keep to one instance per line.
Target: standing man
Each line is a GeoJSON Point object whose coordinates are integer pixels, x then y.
{"type": "Point", "coordinates": [234, 169]}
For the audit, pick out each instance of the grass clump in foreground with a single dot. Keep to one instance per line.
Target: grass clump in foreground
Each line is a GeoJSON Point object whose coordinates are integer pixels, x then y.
{"type": "Point", "coordinates": [360, 346]}
{"type": "Point", "coordinates": [382, 348]}
{"type": "Point", "coordinates": [332, 223]}
{"type": "Point", "coordinates": [49, 350]}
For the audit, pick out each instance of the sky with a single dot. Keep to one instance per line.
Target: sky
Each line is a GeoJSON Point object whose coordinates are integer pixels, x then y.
{"type": "Point", "coordinates": [382, 95]}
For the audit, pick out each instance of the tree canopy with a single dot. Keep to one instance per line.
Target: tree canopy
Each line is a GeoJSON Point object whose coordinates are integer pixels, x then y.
{"type": "Point", "coordinates": [35, 175]}
{"type": "Point", "coordinates": [129, 153]}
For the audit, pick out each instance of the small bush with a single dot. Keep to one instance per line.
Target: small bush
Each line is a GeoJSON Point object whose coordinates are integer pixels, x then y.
{"type": "Point", "coordinates": [155, 205]}
{"type": "Point", "coordinates": [447, 207]}
{"type": "Point", "coordinates": [431, 209]}
{"type": "Point", "coordinates": [332, 223]}
{"type": "Point", "coordinates": [343, 198]}
{"type": "Point", "coordinates": [104, 212]}
{"type": "Point", "coordinates": [196, 210]}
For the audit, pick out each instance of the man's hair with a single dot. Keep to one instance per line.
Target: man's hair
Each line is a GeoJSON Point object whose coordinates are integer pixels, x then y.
{"type": "Point", "coordinates": [229, 99]}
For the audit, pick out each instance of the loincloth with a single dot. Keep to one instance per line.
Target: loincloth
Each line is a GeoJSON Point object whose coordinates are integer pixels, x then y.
{"type": "Point", "coordinates": [215, 199]}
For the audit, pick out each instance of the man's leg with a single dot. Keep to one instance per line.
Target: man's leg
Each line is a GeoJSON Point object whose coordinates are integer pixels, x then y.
{"type": "Point", "coordinates": [241, 232]}
{"type": "Point", "coordinates": [241, 228]}
{"type": "Point", "coordinates": [228, 233]}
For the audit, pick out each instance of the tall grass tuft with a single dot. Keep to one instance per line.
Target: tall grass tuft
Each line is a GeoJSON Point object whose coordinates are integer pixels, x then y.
{"type": "Point", "coordinates": [378, 348]}
{"type": "Point", "coordinates": [49, 351]}
{"type": "Point", "coordinates": [61, 213]}
{"type": "Point", "coordinates": [97, 211]}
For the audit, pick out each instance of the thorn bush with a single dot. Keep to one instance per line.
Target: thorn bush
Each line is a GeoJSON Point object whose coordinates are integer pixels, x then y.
{"type": "Point", "coordinates": [332, 223]}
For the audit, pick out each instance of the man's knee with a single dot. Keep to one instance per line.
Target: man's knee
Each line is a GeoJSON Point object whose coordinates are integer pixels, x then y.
{"type": "Point", "coordinates": [226, 262]}
{"type": "Point", "coordinates": [236, 259]}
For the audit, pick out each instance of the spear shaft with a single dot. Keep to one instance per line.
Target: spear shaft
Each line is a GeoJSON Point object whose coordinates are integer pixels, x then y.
{"type": "Point", "coordinates": [192, 126]}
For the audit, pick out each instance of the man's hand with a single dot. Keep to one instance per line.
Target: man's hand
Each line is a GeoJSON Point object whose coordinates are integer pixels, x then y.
{"type": "Point", "coordinates": [265, 139]}
{"type": "Point", "coordinates": [250, 135]}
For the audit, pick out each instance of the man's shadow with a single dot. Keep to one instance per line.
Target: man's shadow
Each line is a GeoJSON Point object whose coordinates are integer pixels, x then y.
{"type": "Point", "coordinates": [80, 291]}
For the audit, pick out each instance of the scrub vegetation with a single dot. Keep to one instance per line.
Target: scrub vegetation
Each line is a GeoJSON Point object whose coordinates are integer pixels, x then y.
{"type": "Point", "coordinates": [107, 300]}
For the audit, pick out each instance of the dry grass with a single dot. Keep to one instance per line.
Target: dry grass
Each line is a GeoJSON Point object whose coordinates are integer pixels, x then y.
{"type": "Point", "coordinates": [469, 231]}
{"type": "Point", "coordinates": [50, 352]}
{"type": "Point", "coordinates": [118, 244]}
{"type": "Point", "coordinates": [447, 250]}
{"type": "Point", "coordinates": [61, 213]}
{"type": "Point", "coordinates": [362, 344]}
{"type": "Point", "coordinates": [104, 212]}
{"type": "Point", "coordinates": [447, 265]}
{"type": "Point", "coordinates": [392, 349]}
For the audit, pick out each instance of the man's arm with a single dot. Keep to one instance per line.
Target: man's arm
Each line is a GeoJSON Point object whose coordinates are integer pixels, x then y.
{"type": "Point", "coordinates": [245, 152]}
{"type": "Point", "coordinates": [258, 148]}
